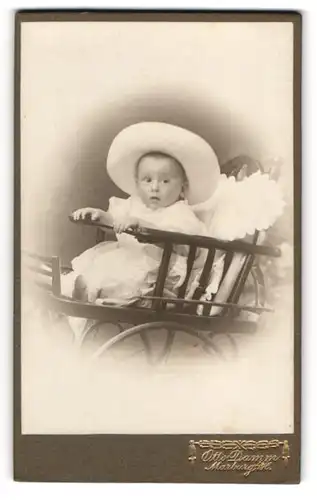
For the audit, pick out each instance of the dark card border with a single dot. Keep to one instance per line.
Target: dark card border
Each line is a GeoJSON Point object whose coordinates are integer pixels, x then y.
{"type": "Point", "coordinates": [144, 458]}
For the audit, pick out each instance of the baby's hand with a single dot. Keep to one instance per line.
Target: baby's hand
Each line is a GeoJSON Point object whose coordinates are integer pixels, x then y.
{"type": "Point", "coordinates": [82, 213]}
{"type": "Point", "coordinates": [125, 222]}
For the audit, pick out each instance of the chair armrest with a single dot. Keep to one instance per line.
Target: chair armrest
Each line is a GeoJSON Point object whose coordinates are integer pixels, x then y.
{"type": "Point", "coordinates": [157, 236]}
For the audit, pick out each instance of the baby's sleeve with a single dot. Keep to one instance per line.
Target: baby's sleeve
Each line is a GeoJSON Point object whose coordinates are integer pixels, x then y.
{"type": "Point", "coordinates": [183, 220]}
{"type": "Point", "coordinates": [119, 207]}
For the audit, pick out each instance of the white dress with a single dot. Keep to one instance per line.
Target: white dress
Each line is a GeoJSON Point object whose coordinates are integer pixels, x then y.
{"type": "Point", "coordinates": [120, 272]}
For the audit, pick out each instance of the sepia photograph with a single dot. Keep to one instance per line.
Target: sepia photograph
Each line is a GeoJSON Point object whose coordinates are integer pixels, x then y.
{"type": "Point", "coordinates": [157, 238]}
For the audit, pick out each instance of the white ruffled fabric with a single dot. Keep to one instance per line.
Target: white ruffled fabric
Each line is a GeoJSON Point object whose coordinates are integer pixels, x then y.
{"type": "Point", "coordinates": [236, 210]}
{"type": "Point", "coordinates": [178, 217]}
{"type": "Point", "coordinates": [119, 272]}
{"type": "Point", "coordinates": [239, 208]}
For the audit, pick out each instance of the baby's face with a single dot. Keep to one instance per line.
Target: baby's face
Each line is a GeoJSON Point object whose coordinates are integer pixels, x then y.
{"type": "Point", "coordinates": [159, 181]}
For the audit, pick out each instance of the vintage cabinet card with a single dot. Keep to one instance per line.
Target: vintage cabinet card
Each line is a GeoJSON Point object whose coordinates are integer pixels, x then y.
{"type": "Point", "coordinates": [157, 247]}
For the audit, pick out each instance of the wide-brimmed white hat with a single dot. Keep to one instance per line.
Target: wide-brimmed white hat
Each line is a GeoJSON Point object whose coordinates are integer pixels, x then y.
{"type": "Point", "coordinates": [194, 153]}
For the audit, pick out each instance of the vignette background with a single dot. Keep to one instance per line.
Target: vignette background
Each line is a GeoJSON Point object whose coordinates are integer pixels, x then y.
{"type": "Point", "coordinates": [231, 83]}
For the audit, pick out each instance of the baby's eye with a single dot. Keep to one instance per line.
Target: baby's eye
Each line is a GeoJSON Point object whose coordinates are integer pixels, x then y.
{"type": "Point", "coordinates": [147, 179]}
{"type": "Point", "coordinates": [166, 181]}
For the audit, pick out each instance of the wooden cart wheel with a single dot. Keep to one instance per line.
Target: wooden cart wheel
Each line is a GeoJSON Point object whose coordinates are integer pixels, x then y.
{"type": "Point", "coordinates": [145, 331]}
{"type": "Point", "coordinates": [91, 331]}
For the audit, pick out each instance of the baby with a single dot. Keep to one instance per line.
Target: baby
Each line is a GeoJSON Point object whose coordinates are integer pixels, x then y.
{"type": "Point", "coordinates": [166, 170]}
{"type": "Point", "coordinates": [160, 182]}
{"type": "Point", "coordinates": [121, 272]}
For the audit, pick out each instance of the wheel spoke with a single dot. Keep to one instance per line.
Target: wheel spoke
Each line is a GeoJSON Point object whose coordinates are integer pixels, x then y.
{"type": "Point", "coordinates": [144, 330]}
{"type": "Point", "coordinates": [168, 345]}
{"type": "Point", "coordinates": [147, 346]}
{"type": "Point", "coordinates": [209, 346]}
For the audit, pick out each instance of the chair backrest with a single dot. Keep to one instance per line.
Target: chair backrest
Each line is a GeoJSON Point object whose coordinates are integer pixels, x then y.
{"type": "Point", "coordinates": [227, 291]}
{"type": "Point", "coordinates": [239, 258]}
{"type": "Point", "coordinates": [44, 272]}
{"type": "Point", "coordinates": [232, 273]}
{"type": "Point", "coordinates": [241, 166]}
